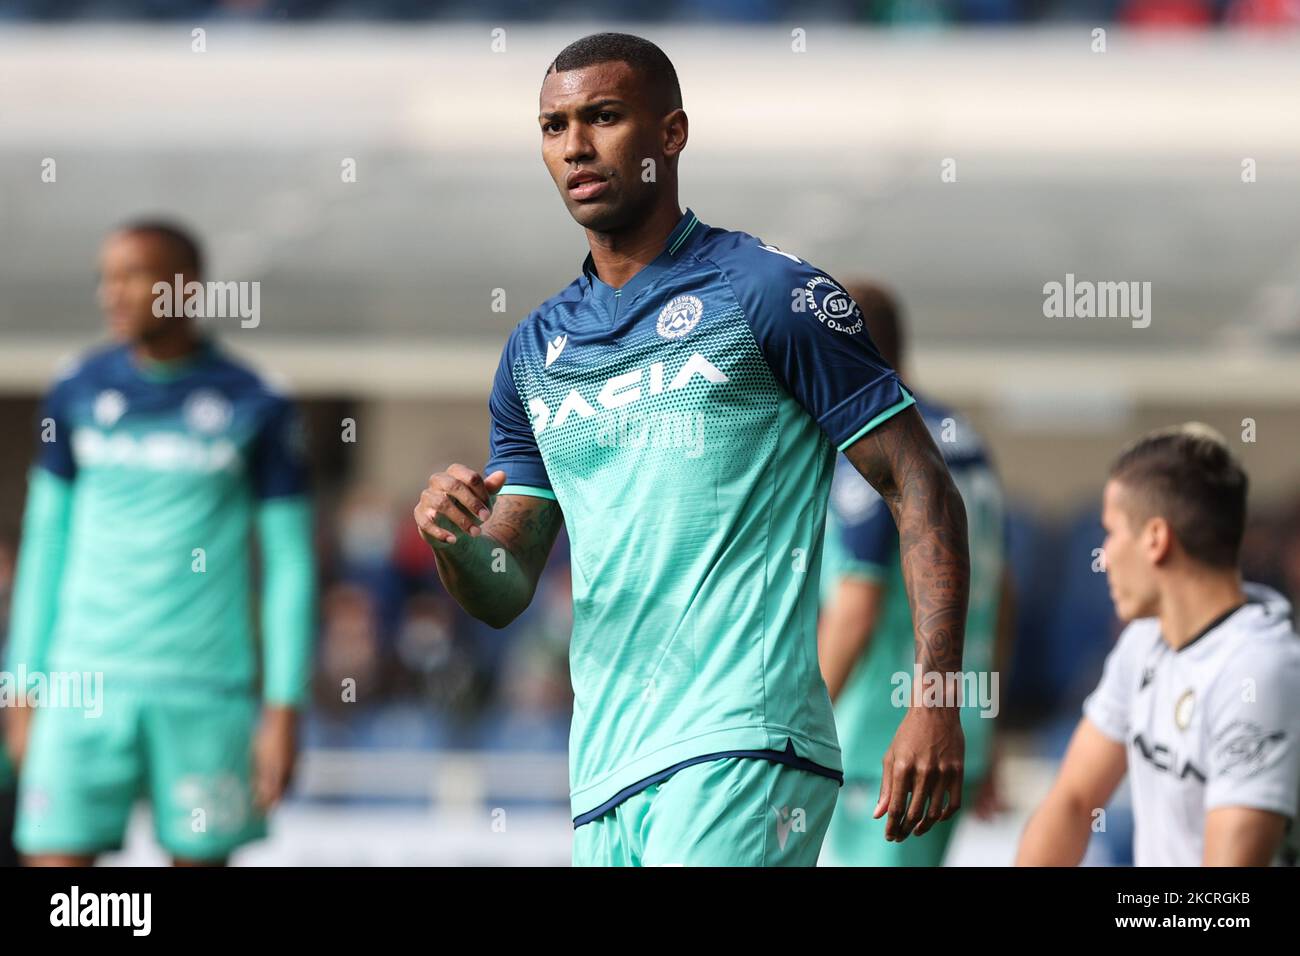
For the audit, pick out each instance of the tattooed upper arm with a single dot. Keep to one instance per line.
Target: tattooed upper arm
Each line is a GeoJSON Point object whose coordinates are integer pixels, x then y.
{"type": "Point", "coordinates": [902, 462]}
{"type": "Point", "coordinates": [893, 452]}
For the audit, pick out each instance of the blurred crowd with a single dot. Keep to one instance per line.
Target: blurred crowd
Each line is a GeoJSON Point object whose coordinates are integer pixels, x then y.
{"type": "Point", "coordinates": [1161, 13]}
{"type": "Point", "coordinates": [399, 665]}
{"type": "Point", "coordinates": [438, 677]}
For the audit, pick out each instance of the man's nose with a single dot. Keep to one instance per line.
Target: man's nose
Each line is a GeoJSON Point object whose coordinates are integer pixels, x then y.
{"type": "Point", "coordinates": [578, 144]}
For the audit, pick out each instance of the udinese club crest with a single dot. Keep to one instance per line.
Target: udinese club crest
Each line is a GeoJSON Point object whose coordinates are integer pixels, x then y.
{"type": "Point", "coordinates": [679, 316]}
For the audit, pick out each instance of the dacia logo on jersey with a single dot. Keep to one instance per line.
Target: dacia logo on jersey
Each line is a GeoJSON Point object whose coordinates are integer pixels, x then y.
{"type": "Point", "coordinates": [156, 451]}
{"type": "Point", "coordinates": [621, 390]}
{"type": "Point", "coordinates": [679, 316]}
{"type": "Point", "coordinates": [1163, 759]}
{"type": "Point", "coordinates": [833, 307]}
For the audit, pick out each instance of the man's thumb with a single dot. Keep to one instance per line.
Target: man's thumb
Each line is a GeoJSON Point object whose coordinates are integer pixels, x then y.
{"type": "Point", "coordinates": [495, 481]}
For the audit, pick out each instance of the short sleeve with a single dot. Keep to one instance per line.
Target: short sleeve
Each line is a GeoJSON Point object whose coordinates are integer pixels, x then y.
{"type": "Point", "coordinates": [54, 433]}
{"type": "Point", "coordinates": [1108, 706]}
{"type": "Point", "coordinates": [815, 341]}
{"type": "Point", "coordinates": [513, 446]}
{"type": "Point", "coordinates": [868, 535]}
{"type": "Point", "coordinates": [1253, 725]}
{"type": "Point", "coordinates": [279, 468]}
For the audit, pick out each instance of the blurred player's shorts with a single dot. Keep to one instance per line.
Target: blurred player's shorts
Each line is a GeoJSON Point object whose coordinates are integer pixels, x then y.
{"type": "Point", "coordinates": [189, 753]}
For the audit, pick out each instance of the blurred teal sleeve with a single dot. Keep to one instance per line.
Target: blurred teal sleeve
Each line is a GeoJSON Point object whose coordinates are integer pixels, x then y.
{"type": "Point", "coordinates": [284, 530]}
{"type": "Point", "coordinates": [46, 520]}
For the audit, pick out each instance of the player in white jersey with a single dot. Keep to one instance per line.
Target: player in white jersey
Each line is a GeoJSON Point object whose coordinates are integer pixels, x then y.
{"type": "Point", "coordinates": [1200, 699]}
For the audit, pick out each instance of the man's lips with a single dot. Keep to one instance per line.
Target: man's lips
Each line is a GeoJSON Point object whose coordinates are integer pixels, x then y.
{"type": "Point", "coordinates": [586, 185]}
{"type": "Point", "coordinates": [578, 176]}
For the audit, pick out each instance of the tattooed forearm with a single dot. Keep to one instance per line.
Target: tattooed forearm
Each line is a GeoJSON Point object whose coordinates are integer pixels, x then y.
{"type": "Point", "coordinates": [493, 576]}
{"type": "Point", "coordinates": [901, 461]}
{"type": "Point", "coordinates": [527, 528]}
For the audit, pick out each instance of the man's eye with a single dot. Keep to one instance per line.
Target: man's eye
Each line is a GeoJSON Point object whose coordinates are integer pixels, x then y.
{"type": "Point", "coordinates": [606, 116]}
{"type": "Point", "coordinates": [551, 128]}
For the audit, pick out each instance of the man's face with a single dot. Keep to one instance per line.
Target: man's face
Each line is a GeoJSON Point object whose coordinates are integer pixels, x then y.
{"type": "Point", "coordinates": [129, 265]}
{"type": "Point", "coordinates": [599, 127]}
{"type": "Point", "coordinates": [1131, 551]}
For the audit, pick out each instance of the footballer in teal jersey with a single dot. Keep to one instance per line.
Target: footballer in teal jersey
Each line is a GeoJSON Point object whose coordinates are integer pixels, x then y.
{"type": "Point", "coordinates": [678, 408]}
{"type": "Point", "coordinates": [866, 635]}
{"type": "Point", "coordinates": [161, 460]}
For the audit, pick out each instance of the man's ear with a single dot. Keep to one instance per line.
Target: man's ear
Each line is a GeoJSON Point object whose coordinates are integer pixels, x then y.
{"type": "Point", "coordinates": [1158, 540]}
{"type": "Point", "coordinates": [676, 131]}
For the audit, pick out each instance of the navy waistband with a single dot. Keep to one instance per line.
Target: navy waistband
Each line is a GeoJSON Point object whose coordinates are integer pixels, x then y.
{"type": "Point", "coordinates": [787, 757]}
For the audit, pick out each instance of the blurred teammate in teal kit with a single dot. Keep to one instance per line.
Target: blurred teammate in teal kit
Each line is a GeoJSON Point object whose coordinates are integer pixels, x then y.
{"type": "Point", "coordinates": [865, 636]}
{"type": "Point", "coordinates": [8, 781]}
{"type": "Point", "coordinates": [8, 778]}
{"type": "Point", "coordinates": [160, 459]}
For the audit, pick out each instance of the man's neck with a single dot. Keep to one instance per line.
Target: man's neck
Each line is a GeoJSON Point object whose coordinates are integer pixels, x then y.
{"type": "Point", "coordinates": [178, 343]}
{"type": "Point", "coordinates": [618, 256]}
{"type": "Point", "coordinates": [1196, 601]}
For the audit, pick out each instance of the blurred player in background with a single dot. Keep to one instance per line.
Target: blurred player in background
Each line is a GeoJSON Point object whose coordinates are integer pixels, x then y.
{"type": "Point", "coordinates": [702, 732]}
{"type": "Point", "coordinates": [8, 782]}
{"type": "Point", "coordinates": [865, 635]}
{"type": "Point", "coordinates": [1200, 699]}
{"type": "Point", "coordinates": [161, 458]}
{"type": "Point", "coordinates": [8, 776]}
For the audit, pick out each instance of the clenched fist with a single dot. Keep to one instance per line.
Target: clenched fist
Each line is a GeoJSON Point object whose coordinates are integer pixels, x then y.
{"type": "Point", "coordinates": [456, 500]}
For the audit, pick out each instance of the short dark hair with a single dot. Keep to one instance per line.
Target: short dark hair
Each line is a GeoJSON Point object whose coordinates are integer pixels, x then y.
{"type": "Point", "coordinates": [181, 242]}
{"type": "Point", "coordinates": [650, 62]}
{"type": "Point", "coordinates": [883, 317]}
{"type": "Point", "coordinates": [1188, 476]}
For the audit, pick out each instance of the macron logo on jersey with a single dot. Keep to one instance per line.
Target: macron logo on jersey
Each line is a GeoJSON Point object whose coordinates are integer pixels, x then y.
{"type": "Point", "coordinates": [554, 348]}
{"type": "Point", "coordinates": [621, 390]}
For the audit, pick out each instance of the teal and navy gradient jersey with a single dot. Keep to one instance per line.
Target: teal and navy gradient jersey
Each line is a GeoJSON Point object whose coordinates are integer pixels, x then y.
{"type": "Point", "coordinates": [687, 425]}
{"type": "Point", "coordinates": [863, 543]}
{"type": "Point", "coordinates": [169, 468]}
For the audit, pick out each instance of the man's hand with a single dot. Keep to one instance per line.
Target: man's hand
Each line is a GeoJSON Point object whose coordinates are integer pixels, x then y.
{"type": "Point", "coordinates": [458, 498]}
{"type": "Point", "coordinates": [274, 753]}
{"type": "Point", "coordinates": [925, 761]}
{"type": "Point", "coordinates": [17, 727]}
{"type": "Point", "coordinates": [490, 555]}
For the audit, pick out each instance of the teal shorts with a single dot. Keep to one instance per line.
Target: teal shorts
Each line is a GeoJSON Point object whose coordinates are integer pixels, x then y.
{"type": "Point", "coordinates": [733, 811]}
{"type": "Point", "coordinates": [189, 754]}
{"type": "Point", "coordinates": [856, 839]}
